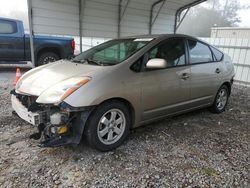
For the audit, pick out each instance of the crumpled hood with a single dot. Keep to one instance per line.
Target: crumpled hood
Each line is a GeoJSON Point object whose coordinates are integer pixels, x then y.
{"type": "Point", "coordinates": [37, 80]}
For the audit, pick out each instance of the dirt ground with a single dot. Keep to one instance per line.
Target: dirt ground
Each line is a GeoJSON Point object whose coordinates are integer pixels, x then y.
{"type": "Point", "coordinates": [198, 149]}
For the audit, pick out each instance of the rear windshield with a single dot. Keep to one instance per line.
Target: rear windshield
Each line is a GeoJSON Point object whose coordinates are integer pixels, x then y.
{"type": "Point", "coordinates": [114, 51]}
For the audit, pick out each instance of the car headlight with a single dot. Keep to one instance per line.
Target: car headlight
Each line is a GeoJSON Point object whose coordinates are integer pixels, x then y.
{"type": "Point", "coordinates": [62, 90]}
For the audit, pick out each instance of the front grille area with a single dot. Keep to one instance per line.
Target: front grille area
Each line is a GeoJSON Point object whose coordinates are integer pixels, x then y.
{"type": "Point", "coordinates": [41, 112]}
{"type": "Point", "coordinates": [26, 100]}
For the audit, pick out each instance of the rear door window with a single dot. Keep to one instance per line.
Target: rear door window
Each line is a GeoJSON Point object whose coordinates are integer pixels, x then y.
{"type": "Point", "coordinates": [199, 52]}
{"type": "Point", "coordinates": [218, 55]}
{"type": "Point", "coordinates": [7, 27]}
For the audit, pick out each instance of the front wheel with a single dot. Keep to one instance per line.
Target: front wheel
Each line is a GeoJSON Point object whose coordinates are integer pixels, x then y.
{"type": "Point", "coordinates": [108, 126]}
{"type": "Point", "coordinates": [221, 100]}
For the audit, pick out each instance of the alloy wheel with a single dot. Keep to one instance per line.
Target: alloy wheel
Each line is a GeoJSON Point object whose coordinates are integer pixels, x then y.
{"type": "Point", "coordinates": [111, 126]}
{"type": "Point", "coordinates": [221, 99]}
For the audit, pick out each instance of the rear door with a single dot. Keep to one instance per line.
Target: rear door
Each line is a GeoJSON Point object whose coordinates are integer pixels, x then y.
{"type": "Point", "coordinates": [165, 91]}
{"type": "Point", "coordinates": [11, 43]}
{"type": "Point", "coordinates": [206, 74]}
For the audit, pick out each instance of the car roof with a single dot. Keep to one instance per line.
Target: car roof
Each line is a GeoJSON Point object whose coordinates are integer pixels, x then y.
{"type": "Point", "coordinates": [166, 36]}
{"type": "Point", "coordinates": [161, 36]}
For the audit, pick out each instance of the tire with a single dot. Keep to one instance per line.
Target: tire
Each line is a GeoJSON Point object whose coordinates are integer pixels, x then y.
{"type": "Point", "coordinates": [220, 102]}
{"type": "Point", "coordinates": [102, 128]}
{"type": "Point", "coordinates": [47, 57]}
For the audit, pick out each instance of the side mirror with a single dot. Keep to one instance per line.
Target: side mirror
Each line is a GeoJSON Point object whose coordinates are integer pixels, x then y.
{"type": "Point", "coordinates": [156, 63]}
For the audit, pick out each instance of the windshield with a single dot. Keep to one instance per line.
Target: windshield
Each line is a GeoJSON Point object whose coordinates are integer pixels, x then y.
{"type": "Point", "coordinates": [112, 52]}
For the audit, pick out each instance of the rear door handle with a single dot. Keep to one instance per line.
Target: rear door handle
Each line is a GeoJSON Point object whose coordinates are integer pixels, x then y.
{"type": "Point", "coordinates": [184, 76]}
{"type": "Point", "coordinates": [217, 71]}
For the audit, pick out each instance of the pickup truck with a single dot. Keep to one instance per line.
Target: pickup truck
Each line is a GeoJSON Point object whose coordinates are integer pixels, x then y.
{"type": "Point", "coordinates": [15, 45]}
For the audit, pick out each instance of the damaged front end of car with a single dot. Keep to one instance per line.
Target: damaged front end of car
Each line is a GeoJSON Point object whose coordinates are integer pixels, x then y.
{"type": "Point", "coordinates": [57, 125]}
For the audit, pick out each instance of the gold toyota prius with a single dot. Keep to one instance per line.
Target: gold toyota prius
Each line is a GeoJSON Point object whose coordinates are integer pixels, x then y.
{"type": "Point", "coordinates": [111, 88]}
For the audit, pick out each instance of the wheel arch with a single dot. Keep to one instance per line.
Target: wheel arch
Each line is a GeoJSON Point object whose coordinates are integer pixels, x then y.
{"type": "Point", "coordinates": [55, 50]}
{"type": "Point", "coordinates": [127, 103]}
{"type": "Point", "coordinates": [91, 125]}
{"type": "Point", "coordinates": [228, 85]}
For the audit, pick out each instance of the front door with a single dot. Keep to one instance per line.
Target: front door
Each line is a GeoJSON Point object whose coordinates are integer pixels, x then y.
{"type": "Point", "coordinates": [165, 91]}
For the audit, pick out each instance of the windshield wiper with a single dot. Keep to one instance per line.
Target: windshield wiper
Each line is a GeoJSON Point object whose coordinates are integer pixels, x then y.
{"type": "Point", "coordinates": [90, 61]}
{"type": "Point", "coordinates": [78, 61]}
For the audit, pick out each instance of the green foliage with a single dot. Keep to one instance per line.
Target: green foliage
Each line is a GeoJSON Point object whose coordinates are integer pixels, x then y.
{"type": "Point", "coordinates": [210, 171]}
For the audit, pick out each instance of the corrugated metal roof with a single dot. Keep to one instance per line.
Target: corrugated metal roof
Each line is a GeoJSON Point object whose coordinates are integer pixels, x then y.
{"type": "Point", "coordinates": [98, 18]}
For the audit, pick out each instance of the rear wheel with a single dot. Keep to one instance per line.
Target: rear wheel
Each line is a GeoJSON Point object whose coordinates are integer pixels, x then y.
{"type": "Point", "coordinates": [108, 126]}
{"type": "Point", "coordinates": [47, 57]}
{"type": "Point", "coordinates": [221, 100]}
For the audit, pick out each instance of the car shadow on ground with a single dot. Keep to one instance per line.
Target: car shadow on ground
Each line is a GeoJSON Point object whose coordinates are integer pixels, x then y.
{"type": "Point", "coordinates": [177, 127]}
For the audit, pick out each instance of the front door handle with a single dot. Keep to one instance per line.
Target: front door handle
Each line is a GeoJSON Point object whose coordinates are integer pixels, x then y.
{"type": "Point", "coordinates": [217, 71]}
{"type": "Point", "coordinates": [184, 76]}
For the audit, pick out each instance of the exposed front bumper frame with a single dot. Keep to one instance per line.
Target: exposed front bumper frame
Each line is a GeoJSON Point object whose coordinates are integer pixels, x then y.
{"type": "Point", "coordinates": [35, 118]}
{"type": "Point", "coordinates": [31, 117]}
{"type": "Point", "coordinates": [75, 135]}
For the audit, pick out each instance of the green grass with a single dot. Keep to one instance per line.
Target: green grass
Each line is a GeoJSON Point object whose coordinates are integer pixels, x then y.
{"type": "Point", "coordinates": [210, 171]}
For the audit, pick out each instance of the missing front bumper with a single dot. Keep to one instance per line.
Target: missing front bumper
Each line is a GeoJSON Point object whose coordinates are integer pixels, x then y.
{"type": "Point", "coordinates": [48, 138]}
{"type": "Point", "coordinates": [73, 136]}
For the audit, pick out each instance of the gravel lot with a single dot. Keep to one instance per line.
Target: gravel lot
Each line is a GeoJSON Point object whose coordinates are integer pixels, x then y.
{"type": "Point", "coordinates": [199, 149]}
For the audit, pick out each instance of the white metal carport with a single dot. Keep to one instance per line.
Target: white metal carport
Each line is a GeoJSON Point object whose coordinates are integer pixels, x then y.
{"type": "Point", "coordinates": [109, 18]}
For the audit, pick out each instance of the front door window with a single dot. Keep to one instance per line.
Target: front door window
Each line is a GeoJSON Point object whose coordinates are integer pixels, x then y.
{"type": "Point", "coordinates": [173, 51]}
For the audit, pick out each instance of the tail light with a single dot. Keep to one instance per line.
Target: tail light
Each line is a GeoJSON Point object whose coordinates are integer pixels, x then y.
{"type": "Point", "coordinates": [73, 45]}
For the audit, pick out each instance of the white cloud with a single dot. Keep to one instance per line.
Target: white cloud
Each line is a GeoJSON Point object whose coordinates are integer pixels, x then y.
{"type": "Point", "coordinates": [244, 15]}
{"type": "Point", "coordinates": [15, 9]}
{"type": "Point", "coordinates": [8, 6]}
